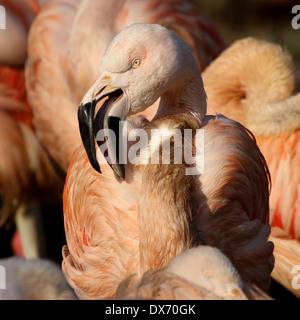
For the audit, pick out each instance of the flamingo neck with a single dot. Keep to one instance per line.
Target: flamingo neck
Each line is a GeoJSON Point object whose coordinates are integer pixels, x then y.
{"type": "Point", "coordinates": [164, 215]}
{"type": "Point", "coordinates": [188, 97]}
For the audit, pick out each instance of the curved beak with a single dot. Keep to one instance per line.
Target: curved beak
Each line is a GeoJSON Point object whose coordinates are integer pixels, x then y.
{"type": "Point", "coordinates": [106, 127]}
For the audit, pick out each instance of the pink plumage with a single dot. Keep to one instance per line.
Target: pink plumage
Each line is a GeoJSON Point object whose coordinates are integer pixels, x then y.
{"type": "Point", "coordinates": [116, 228]}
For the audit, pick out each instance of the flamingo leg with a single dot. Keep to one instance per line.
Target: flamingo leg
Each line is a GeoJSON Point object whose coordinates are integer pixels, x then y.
{"type": "Point", "coordinates": [29, 225]}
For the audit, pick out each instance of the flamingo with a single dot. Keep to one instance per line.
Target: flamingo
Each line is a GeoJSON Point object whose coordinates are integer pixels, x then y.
{"type": "Point", "coordinates": [14, 172]}
{"type": "Point", "coordinates": [19, 16]}
{"type": "Point", "coordinates": [67, 40]}
{"type": "Point", "coordinates": [136, 216]}
{"type": "Point", "coordinates": [27, 176]}
{"type": "Point", "coordinates": [36, 279]}
{"type": "Point", "coordinates": [256, 88]}
{"type": "Point", "coordinates": [201, 273]}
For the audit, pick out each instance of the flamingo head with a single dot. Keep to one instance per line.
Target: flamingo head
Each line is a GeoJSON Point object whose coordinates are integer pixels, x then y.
{"type": "Point", "coordinates": [142, 63]}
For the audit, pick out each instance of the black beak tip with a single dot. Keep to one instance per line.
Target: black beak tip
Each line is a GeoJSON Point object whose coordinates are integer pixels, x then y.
{"type": "Point", "coordinates": [86, 127]}
{"type": "Point", "coordinates": [96, 167]}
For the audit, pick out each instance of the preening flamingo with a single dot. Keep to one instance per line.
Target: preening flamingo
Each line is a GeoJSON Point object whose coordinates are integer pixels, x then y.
{"type": "Point", "coordinates": [68, 39]}
{"type": "Point", "coordinates": [35, 279]}
{"type": "Point", "coordinates": [201, 273]}
{"type": "Point", "coordinates": [253, 82]}
{"type": "Point", "coordinates": [135, 217]}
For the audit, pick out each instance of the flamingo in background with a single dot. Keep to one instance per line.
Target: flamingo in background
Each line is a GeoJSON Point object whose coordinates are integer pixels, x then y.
{"type": "Point", "coordinates": [136, 217]}
{"type": "Point", "coordinates": [253, 82]}
{"type": "Point", "coordinates": [37, 279]}
{"type": "Point", "coordinates": [14, 163]}
{"type": "Point", "coordinates": [68, 39]}
{"type": "Point", "coordinates": [201, 273]}
{"type": "Point", "coordinates": [13, 41]}
{"type": "Point", "coordinates": [27, 176]}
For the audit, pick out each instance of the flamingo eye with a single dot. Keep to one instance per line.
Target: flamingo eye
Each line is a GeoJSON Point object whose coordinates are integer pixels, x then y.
{"type": "Point", "coordinates": [136, 63]}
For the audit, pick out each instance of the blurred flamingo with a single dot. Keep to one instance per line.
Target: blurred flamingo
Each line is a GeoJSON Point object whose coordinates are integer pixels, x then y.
{"type": "Point", "coordinates": [201, 273]}
{"type": "Point", "coordinates": [26, 172]}
{"type": "Point", "coordinates": [67, 41]}
{"type": "Point", "coordinates": [19, 16]}
{"type": "Point", "coordinates": [36, 279]}
{"type": "Point", "coordinates": [27, 176]}
{"type": "Point", "coordinates": [136, 217]}
{"type": "Point", "coordinates": [14, 163]}
{"type": "Point", "coordinates": [253, 82]}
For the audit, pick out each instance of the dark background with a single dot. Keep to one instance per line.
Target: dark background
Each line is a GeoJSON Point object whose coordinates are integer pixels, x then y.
{"type": "Point", "coordinates": [264, 19]}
